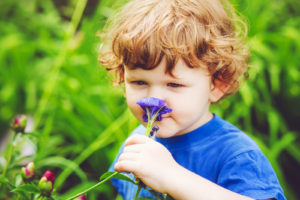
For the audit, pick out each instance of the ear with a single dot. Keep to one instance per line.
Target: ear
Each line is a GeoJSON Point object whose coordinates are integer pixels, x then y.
{"type": "Point", "coordinates": [218, 90]}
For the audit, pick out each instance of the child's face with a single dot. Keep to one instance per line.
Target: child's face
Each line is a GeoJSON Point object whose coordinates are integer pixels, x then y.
{"type": "Point", "coordinates": [188, 95]}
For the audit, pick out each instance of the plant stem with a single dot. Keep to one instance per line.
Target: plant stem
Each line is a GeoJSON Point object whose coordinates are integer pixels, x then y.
{"type": "Point", "coordinates": [10, 152]}
{"type": "Point", "coordinates": [149, 125]}
{"type": "Point", "coordinates": [151, 120]}
{"type": "Point", "coordinates": [138, 190]}
{"type": "Point", "coordinates": [94, 186]}
{"type": "Point", "coordinates": [147, 132]}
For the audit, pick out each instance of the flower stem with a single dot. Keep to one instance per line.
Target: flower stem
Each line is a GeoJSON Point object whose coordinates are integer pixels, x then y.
{"type": "Point", "coordinates": [147, 133]}
{"type": "Point", "coordinates": [138, 190]}
{"type": "Point", "coordinates": [150, 122]}
{"type": "Point", "coordinates": [94, 186]}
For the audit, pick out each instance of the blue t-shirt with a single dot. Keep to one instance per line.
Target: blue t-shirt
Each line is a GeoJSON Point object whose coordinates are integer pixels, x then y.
{"type": "Point", "coordinates": [221, 153]}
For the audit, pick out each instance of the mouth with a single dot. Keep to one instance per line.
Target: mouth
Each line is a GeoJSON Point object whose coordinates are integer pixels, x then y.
{"type": "Point", "coordinates": [167, 116]}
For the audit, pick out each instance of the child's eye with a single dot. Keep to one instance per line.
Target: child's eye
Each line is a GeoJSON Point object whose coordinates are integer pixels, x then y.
{"type": "Point", "coordinates": [174, 85]}
{"type": "Point", "coordinates": [139, 82]}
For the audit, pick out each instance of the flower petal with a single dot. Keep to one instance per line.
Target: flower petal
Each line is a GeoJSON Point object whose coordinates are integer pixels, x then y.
{"type": "Point", "coordinates": [154, 105]}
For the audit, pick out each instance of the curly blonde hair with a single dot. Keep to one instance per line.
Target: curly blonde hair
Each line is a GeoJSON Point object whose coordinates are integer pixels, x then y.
{"type": "Point", "coordinates": [204, 33]}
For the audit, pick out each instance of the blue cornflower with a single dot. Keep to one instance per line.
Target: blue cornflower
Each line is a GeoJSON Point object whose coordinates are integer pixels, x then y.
{"type": "Point", "coordinates": [154, 108]}
{"type": "Point", "coordinates": [153, 132]}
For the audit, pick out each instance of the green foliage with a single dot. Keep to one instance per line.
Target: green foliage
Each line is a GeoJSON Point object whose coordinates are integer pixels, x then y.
{"type": "Point", "coordinates": [118, 176]}
{"type": "Point", "coordinates": [49, 70]}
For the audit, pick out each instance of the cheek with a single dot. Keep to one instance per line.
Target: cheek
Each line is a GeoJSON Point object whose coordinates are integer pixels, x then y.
{"type": "Point", "coordinates": [135, 110]}
{"type": "Point", "coordinates": [179, 106]}
{"type": "Point", "coordinates": [131, 99]}
{"type": "Point", "coordinates": [189, 104]}
{"type": "Point", "coordinates": [131, 96]}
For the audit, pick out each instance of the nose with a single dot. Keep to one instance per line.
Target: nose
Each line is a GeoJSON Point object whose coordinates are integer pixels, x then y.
{"type": "Point", "coordinates": [157, 92]}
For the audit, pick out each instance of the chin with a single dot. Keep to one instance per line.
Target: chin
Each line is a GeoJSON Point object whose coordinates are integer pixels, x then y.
{"type": "Point", "coordinates": [165, 134]}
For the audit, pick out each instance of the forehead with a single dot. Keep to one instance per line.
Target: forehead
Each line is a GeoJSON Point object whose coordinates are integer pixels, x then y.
{"type": "Point", "coordinates": [180, 71]}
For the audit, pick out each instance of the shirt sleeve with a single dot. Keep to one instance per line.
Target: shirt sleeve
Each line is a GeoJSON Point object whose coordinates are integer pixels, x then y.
{"type": "Point", "coordinates": [250, 174]}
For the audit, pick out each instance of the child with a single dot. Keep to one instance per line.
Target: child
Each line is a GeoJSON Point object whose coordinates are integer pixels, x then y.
{"type": "Point", "coordinates": [190, 54]}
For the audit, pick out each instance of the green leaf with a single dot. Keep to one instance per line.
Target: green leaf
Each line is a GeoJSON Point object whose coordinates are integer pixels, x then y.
{"type": "Point", "coordinates": [247, 95]}
{"type": "Point", "coordinates": [144, 198]}
{"type": "Point", "coordinates": [157, 195]}
{"type": "Point", "coordinates": [27, 188]}
{"type": "Point", "coordinates": [23, 196]}
{"type": "Point", "coordinates": [118, 176]}
{"type": "Point", "coordinates": [282, 144]}
{"type": "Point", "coordinates": [102, 140]}
{"type": "Point", "coordinates": [17, 180]}
{"type": "Point", "coordinates": [62, 162]}
{"type": "Point", "coordinates": [274, 125]}
{"type": "Point", "coordinates": [5, 181]}
{"type": "Point", "coordinates": [294, 150]}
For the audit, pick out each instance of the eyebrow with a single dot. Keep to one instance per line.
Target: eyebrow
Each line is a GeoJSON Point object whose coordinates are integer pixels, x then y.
{"type": "Point", "coordinates": [132, 78]}
{"type": "Point", "coordinates": [169, 78]}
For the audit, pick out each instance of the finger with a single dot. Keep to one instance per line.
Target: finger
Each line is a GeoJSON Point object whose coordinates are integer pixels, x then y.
{"type": "Point", "coordinates": [133, 148]}
{"type": "Point", "coordinates": [136, 139]}
{"type": "Point", "coordinates": [128, 156]}
{"type": "Point", "coordinates": [125, 166]}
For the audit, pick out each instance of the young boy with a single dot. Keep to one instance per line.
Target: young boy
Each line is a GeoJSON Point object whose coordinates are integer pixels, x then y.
{"type": "Point", "coordinates": [190, 54]}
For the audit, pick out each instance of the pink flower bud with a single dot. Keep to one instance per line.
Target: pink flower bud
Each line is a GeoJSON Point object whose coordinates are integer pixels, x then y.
{"type": "Point", "coordinates": [46, 183]}
{"type": "Point", "coordinates": [50, 176]}
{"type": "Point", "coordinates": [82, 197]}
{"type": "Point", "coordinates": [28, 171]}
{"type": "Point", "coordinates": [19, 123]}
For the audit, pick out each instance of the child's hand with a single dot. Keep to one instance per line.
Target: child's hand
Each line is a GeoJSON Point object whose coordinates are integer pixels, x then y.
{"type": "Point", "coordinates": [149, 161]}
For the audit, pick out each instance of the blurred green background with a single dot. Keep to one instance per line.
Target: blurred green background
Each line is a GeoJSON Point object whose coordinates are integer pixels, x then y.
{"type": "Point", "coordinates": [49, 70]}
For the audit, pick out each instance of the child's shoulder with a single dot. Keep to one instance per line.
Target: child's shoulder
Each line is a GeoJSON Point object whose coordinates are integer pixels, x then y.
{"type": "Point", "coordinates": [233, 140]}
{"type": "Point", "coordinates": [232, 134]}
